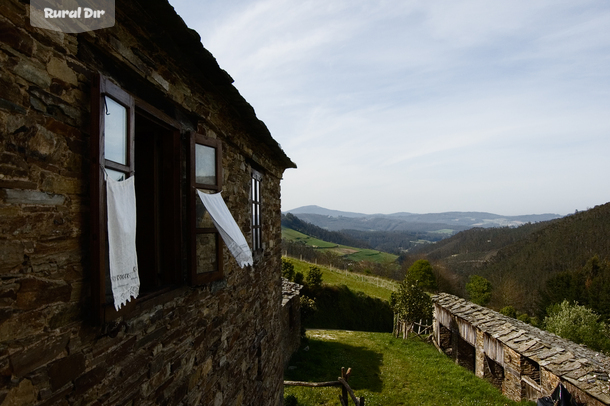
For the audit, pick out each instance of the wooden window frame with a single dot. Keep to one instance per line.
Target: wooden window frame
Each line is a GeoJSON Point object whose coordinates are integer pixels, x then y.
{"type": "Point", "coordinates": [257, 213]}
{"type": "Point", "coordinates": [207, 277]}
{"type": "Point", "coordinates": [101, 87]}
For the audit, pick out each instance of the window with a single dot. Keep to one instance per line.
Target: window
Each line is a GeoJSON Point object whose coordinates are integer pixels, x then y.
{"type": "Point", "coordinates": [206, 243]}
{"type": "Point", "coordinates": [132, 138]}
{"type": "Point", "coordinates": [255, 197]}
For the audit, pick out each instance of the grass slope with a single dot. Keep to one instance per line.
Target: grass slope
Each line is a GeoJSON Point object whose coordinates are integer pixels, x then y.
{"type": "Point", "coordinates": [369, 285]}
{"type": "Point", "coordinates": [351, 253]}
{"type": "Point", "coordinates": [386, 371]}
{"type": "Point", "coordinates": [293, 235]}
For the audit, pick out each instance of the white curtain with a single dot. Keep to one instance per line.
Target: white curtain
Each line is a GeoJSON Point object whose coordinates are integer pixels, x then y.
{"type": "Point", "coordinates": [228, 228]}
{"type": "Point", "coordinates": [122, 257]}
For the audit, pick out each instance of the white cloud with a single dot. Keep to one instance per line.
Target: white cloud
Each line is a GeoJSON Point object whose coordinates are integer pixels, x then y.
{"type": "Point", "coordinates": [425, 106]}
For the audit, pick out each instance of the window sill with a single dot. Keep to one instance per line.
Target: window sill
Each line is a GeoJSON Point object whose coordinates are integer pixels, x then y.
{"type": "Point", "coordinates": [143, 303]}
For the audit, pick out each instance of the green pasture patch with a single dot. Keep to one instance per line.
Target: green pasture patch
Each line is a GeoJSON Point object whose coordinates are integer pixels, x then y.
{"type": "Point", "coordinates": [293, 235]}
{"type": "Point", "coordinates": [386, 371]}
{"type": "Point", "coordinates": [372, 255]}
{"type": "Point", "coordinates": [447, 231]}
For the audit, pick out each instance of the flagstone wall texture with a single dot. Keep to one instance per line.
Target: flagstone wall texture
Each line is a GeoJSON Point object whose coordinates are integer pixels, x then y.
{"type": "Point", "coordinates": [218, 344]}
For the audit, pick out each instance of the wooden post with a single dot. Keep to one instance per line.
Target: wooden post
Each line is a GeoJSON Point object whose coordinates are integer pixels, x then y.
{"type": "Point", "coordinates": [350, 391]}
{"type": "Point", "coordinates": [346, 391]}
{"type": "Point", "coordinates": [343, 388]}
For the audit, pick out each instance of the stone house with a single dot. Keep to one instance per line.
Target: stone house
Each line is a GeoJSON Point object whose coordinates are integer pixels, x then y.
{"type": "Point", "coordinates": [522, 361]}
{"type": "Point", "coordinates": [141, 99]}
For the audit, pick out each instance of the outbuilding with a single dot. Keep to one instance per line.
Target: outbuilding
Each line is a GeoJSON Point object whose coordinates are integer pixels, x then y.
{"type": "Point", "coordinates": [522, 361]}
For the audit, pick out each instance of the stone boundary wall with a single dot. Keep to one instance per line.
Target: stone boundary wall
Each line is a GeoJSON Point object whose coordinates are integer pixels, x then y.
{"type": "Point", "coordinates": [291, 318]}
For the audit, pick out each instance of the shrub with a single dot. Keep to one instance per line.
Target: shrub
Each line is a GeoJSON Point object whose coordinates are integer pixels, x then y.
{"type": "Point", "coordinates": [298, 278]}
{"type": "Point", "coordinates": [314, 278]}
{"type": "Point", "coordinates": [308, 307]}
{"type": "Point", "coordinates": [479, 290]}
{"type": "Point", "coordinates": [421, 273]}
{"type": "Point", "coordinates": [291, 400]}
{"type": "Point", "coordinates": [509, 311]}
{"type": "Point", "coordinates": [287, 269]}
{"type": "Point", "coordinates": [338, 307]}
{"type": "Point", "coordinates": [411, 303]}
{"type": "Point", "coordinates": [579, 324]}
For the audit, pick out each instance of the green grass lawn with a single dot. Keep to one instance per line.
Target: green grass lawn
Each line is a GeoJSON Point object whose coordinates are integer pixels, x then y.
{"type": "Point", "coordinates": [386, 371]}
{"type": "Point", "coordinates": [370, 285]}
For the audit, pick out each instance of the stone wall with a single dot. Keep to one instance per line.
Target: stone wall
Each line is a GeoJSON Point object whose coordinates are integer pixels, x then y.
{"type": "Point", "coordinates": [291, 318]}
{"type": "Point", "coordinates": [218, 344]}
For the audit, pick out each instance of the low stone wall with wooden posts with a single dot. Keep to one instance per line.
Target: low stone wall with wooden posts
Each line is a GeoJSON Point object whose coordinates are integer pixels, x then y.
{"type": "Point", "coordinates": [521, 360]}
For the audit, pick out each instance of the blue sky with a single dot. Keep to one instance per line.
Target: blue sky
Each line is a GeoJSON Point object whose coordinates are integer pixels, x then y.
{"type": "Point", "coordinates": [425, 106]}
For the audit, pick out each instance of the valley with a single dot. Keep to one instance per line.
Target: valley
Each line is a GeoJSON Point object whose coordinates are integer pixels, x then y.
{"type": "Point", "coordinates": [518, 261]}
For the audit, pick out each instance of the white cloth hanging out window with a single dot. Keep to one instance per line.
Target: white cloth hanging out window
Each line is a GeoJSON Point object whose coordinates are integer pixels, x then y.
{"type": "Point", "coordinates": [122, 256]}
{"type": "Point", "coordinates": [227, 227]}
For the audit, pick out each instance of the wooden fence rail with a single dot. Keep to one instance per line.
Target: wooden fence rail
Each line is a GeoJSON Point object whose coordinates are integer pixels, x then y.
{"type": "Point", "coordinates": [341, 381]}
{"type": "Point", "coordinates": [402, 327]}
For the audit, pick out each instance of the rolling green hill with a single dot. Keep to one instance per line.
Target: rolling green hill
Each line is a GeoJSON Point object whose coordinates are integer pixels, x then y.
{"type": "Point", "coordinates": [355, 254]}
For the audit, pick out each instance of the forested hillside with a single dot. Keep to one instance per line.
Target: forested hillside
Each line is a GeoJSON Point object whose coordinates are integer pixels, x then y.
{"type": "Point", "coordinates": [291, 221]}
{"type": "Point", "coordinates": [520, 270]}
{"type": "Point", "coordinates": [465, 252]}
{"type": "Point", "coordinates": [519, 261]}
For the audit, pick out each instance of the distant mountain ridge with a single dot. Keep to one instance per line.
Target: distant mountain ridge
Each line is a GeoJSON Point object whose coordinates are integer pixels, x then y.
{"type": "Point", "coordinates": [313, 209]}
{"type": "Point", "coordinates": [335, 220]}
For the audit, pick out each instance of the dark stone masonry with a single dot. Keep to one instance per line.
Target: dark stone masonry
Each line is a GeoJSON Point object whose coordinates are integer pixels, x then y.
{"type": "Point", "coordinates": [193, 336]}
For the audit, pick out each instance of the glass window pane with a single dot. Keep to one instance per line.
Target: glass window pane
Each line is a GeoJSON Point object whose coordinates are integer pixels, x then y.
{"type": "Point", "coordinates": [115, 132]}
{"type": "Point", "coordinates": [206, 253]}
{"type": "Point", "coordinates": [116, 175]}
{"type": "Point", "coordinates": [202, 216]}
{"type": "Point", "coordinates": [205, 165]}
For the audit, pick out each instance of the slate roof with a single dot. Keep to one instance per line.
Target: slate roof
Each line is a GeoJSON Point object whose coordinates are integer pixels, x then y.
{"type": "Point", "coordinates": [582, 367]}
